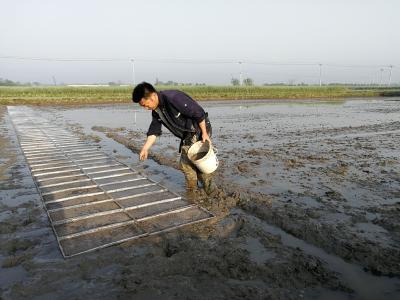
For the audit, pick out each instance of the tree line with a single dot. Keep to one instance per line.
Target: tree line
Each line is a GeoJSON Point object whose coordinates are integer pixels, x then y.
{"type": "Point", "coordinates": [8, 82]}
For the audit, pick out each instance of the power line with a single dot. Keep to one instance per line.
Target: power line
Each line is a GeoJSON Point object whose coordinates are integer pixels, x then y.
{"type": "Point", "coordinates": [191, 61]}
{"type": "Point", "coordinates": [194, 61]}
{"type": "Point", "coordinates": [239, 63]}
{"type": "Point", "coordinates": [356, 66]}
{"type": "Point", "coordinates": [62, 59]}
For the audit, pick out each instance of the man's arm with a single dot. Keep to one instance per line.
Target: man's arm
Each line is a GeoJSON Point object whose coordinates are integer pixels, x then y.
{"type": "Point", "coordinates": [151, 139]}
{"type": "Point", "coordinates": [152, 133]}
{"type": "Point", "coordinates": [204, 133]}
{"type": "Point", "coordinates": [190, 108]}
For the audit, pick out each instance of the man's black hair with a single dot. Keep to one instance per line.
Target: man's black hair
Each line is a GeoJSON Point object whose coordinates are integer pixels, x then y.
{"type": "Point", "coordinates": [142, 90]}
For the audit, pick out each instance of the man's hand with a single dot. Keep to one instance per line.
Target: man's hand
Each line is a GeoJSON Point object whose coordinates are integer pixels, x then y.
{"type": "Point", "coordinates": [205, 138]}
{"type": "Point", "coordinates": [143, 154]}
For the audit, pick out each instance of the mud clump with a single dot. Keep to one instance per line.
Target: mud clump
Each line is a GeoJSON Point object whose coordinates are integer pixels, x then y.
{"type": "Point", "coordinates": [14, 260]}
{"type": "Point", "coordinates": [107, 129]}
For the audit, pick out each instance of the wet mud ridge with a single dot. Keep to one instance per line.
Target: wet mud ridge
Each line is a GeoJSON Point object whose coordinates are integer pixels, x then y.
{"type": "Point", "coordinates": [92, 200]}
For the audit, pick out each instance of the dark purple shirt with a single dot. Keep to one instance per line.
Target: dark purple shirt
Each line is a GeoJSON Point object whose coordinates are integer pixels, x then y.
{"type": "Point", "coordinates": [182, 110]}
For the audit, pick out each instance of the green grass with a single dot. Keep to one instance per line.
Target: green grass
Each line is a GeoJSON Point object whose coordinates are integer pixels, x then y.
{"type": "Point", "coordinates": [92, 95]}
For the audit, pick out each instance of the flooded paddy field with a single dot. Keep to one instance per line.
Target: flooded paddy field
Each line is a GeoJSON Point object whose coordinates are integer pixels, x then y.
{"type": "Point", "coordinates": [308, 207]}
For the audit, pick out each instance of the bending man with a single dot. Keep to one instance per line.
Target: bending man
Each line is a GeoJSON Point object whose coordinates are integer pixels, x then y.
{"type": "Point", "coordinates": [185, 118]}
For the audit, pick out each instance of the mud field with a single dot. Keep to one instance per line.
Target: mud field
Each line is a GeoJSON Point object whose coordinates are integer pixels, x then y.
{"type": "Point", "coordinates": [308, 208]}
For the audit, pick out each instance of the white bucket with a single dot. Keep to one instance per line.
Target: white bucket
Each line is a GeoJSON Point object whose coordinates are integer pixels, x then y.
{"type": "Point", "coordinates": [203, 156]}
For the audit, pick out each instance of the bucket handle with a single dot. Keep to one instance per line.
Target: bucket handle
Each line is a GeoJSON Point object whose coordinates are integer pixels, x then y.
{"type": "Point", "coordinates": [216, 158]}
{"type": "Point", "coordinates": [215, 150]}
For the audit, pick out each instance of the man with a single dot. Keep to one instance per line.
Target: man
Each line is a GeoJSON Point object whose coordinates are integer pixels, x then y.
{"type": "Point", "coordinates": [186, 119]}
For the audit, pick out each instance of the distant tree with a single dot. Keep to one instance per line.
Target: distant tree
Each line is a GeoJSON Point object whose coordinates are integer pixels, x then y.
{"type": "Point", "coordinates": [170, 82]}
{"type": "Point", "coordinates": [235, 81]}
{"type": "Point", "coordinates": [248, 81]}
{"type": "Point", "coordinates": [174, 83]}
{"type": "Point", "coordinates": [7, 82]}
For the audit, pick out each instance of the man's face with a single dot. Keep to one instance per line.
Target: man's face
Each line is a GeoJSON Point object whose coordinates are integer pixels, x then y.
{"type": "Point", "coordinates": [150, 103]}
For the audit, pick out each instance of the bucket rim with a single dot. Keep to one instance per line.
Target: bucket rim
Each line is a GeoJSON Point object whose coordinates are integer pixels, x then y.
{"type": "Point", "coordinates": [204, 157]}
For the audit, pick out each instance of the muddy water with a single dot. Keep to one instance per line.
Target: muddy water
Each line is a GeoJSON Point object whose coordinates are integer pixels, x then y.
{"type": "Point", "coordinates": [198, 156]}
{"type": "Point", "coordinates": [317, 184]}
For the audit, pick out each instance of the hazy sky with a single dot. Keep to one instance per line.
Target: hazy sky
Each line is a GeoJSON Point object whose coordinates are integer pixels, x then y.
{"type": "Point", "coordinates": [194, 41]}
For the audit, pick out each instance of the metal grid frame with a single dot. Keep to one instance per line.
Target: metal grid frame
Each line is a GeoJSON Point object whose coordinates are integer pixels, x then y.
{"type": "Point", "coordinates": [51, 146]}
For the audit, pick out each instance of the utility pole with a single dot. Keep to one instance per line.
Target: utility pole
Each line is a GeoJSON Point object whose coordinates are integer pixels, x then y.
{"type": "Point", "coordinates": [382, 69]}
{"type": "Point", "coordinates": [240, 73]}
{"type": "Point", "coordinates": [320, 74]}
{"type": "Point", "coordinates": [390, 75]}
{"type": "Point", "coordinates": [54, 80]}
{"type": "Point", "coordinates": [133, 71]}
